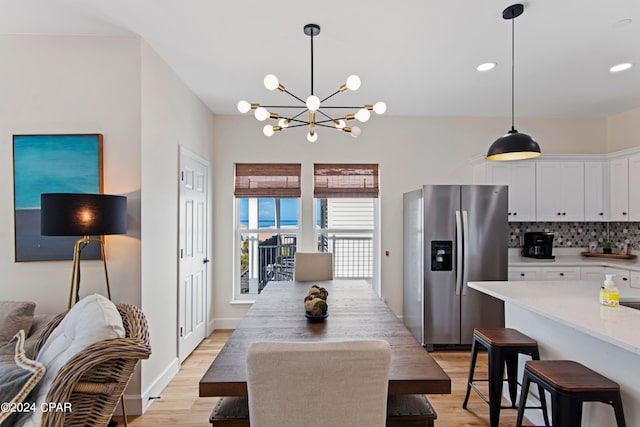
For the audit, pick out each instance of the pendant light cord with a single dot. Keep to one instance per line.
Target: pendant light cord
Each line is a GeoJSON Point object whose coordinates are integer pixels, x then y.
{"type": "Point", "coordinates": [512, 74]}
{"type": "Point", "coordinates": [312, 62]}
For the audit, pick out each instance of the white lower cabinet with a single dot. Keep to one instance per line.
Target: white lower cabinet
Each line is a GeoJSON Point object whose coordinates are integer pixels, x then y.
{"type": "Point", "coordinates": [592, 273]}
{"type": "Point", "coordinates": [635, 279]}
{"type": "Point", "coordinates": [621, 278]}
{"type": "Point", "coordinates": [560, 273]}
{"type": "Point", "coordinates": [524, 273]}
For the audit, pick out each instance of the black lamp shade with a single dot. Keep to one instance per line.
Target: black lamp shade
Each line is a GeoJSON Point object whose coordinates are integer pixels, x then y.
{"type": "Point", "coordinates": [513, 146]}
{"type": "Point", "coordinates": [69, 214]}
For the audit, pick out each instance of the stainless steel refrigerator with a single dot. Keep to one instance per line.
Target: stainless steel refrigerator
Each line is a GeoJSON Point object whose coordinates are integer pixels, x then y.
{"type": "Point", "coordinates": [453, 234]}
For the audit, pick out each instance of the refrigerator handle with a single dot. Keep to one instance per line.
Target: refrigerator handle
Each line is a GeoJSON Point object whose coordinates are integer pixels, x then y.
{"type": "Point", "coordinates": [459, 252]}
{"type": "Point", "coordinates": [465, 253]}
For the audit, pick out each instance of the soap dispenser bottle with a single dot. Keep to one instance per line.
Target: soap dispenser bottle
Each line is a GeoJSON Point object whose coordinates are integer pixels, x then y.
{"type": "Point", "coordinates": [609, 294]}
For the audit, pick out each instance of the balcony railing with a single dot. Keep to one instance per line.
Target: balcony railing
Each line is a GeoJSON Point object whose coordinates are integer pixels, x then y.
{"type": "Point", "coordinates": [352, 258]}
{"type": "Point", "coordinates": [352, 255]}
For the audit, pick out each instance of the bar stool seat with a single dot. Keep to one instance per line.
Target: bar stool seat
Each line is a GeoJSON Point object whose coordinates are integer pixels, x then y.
{"type": "Point", "coordinates": [503, 346]}
{"type": "Point", "coordinates": [570, 384]}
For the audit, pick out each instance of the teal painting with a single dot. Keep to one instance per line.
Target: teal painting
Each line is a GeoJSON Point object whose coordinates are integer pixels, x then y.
{"type": "Point", "coordinates": [52, 164]}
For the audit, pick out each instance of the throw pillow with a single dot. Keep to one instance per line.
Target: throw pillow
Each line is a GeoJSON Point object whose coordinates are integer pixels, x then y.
{"type": "Point", "coordinates": [93, 319]}
{"type": "Point", "coordinates": [19, 374]}
{"type": "Point", "coordinates": [15, 315]}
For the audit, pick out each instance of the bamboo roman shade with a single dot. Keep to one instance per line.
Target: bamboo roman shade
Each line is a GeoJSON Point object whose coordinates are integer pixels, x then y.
{"type": "Point", "coordinates": [345, 180]}
{"type": "Point", "coordinates": [279, 180]}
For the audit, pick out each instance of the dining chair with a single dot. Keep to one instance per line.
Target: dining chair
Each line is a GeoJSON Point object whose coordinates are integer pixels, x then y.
{"type": "Point", "coordinates": [310, 266]}
{"type": "Point", "coordinates": [318, 384]}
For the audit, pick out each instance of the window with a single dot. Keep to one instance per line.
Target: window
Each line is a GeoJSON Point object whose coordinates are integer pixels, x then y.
{"type": "Point", "coordinates": [267, 225]}
{"type": "Point", "coordinates": [346, 217]}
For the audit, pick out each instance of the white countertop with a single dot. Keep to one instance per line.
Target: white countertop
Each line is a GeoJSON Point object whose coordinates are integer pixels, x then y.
{"type": "Point", "coordinates": [574, 304]}
{"type": "Point", "coordinates": [571, 258]}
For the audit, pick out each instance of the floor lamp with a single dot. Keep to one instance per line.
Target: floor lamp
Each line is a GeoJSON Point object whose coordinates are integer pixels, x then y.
{"type": "Point", "coordinates": [70, 214]}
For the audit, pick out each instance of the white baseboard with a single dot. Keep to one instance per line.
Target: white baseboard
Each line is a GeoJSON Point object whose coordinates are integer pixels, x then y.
{"type": "Point", "coordinates": [158, 385]}
{"type": "Point", "coordinates": [226, 323]}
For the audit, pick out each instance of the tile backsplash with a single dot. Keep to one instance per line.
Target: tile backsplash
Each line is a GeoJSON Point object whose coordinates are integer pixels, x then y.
{"type": "Point", "coordinates": [578, 234]}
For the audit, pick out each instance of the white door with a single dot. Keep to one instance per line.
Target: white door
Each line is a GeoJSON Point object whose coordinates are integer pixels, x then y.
{"type": "Point", "coordinates": [193, 253]}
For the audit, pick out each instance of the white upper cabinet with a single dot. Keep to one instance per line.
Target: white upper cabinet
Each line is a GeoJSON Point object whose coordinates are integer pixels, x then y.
{"type": "Point", "coordinates": [634, 187]}
{"type": "Point", "coordinates": [520, 176]}
{"type": "Point", "coordinates": [560, 191]}
{"type": "Point", "coordinates": [596, 206]}
{"type": "Point", "coordinates": [619, 189]}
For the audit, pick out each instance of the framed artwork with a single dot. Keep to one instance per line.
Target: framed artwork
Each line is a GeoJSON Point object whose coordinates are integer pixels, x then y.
{"type": "Point", "coordinates": [52, 164]}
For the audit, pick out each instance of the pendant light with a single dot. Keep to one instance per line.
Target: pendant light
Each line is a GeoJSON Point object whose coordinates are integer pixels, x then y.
{"type": "Point", "coordinates": [513, 145]}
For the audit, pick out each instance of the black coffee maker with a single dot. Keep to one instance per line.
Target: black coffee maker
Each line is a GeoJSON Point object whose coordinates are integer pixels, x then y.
{"type": "Point", "coordinates": [538, 245]}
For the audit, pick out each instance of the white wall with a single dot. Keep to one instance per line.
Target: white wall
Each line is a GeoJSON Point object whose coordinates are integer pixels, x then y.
{"type": "Point", "coordinates": [68, 84]}
{"type": "Point", "coordinates": [171, 116]}
{"type": "Point", "coordinates": [624, 130]}
{"type": "Point", "coordinates": [119, 87]}
{"type": "Point", "coordinates": [411, 152]}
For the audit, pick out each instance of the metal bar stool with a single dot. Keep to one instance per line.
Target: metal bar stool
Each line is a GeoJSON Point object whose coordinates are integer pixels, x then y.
{"type": "Point", "coordinates": [570, 384]}
{"type": "Point", "coordinates": [503, 346]}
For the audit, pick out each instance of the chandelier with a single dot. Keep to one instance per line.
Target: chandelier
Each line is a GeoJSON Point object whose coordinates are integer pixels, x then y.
{"type": "Point", "coordinates": [312, 112]}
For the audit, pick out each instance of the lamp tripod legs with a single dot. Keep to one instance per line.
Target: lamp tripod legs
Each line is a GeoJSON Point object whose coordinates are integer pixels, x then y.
{"type": "Point", "coordinates": [75, 274]}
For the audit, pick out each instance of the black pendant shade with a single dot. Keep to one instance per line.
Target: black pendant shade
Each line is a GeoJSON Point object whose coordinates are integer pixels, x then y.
{"type": "Point", "coordinates": [513, 145]}
{"type": "Point", "coordinates": [69, 214]}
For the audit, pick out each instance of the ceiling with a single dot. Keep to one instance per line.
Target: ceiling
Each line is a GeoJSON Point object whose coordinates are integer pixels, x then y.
{"type": "Point", "coordinates": [419, 56]}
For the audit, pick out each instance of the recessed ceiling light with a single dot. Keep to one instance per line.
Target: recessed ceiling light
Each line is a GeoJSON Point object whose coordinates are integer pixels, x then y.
{"type": "Point", "coordinates": [620, 67]}
{"type": "Point", "coordinates": [486, 66]}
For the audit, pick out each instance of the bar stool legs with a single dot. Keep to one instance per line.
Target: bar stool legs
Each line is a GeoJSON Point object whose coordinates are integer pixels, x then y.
{"type": "Point", "coordinates": [570, 384]}
{"type": "Point", "coordinates": [503, 346]}
{"type": "Point", "coordinates": [526, 382]}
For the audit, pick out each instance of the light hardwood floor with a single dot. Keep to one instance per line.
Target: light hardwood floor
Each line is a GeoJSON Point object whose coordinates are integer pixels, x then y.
{"type": "Point", "coordinates": [180, 406]}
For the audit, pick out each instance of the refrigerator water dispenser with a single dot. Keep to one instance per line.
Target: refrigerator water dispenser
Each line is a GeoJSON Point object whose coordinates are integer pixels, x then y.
{"type": "Point", "coordinates": [441, 255]}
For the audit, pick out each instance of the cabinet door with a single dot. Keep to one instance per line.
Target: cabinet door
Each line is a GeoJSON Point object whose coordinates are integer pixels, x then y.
{"type": "Point", "coordinates": [622, 277]}
{"type": "Point", "coordinates": [619, 189]}
{"type": "Point", "coordinates": [560, 273]}
{"type": "Point", "coordinates": [592, 273]}
{"type": "Point", "coordinates": [548, 191]}
{"type": "Point", "coordinates": [522, 191]}
{"type": "Point", "coordinates": [560, 191]}
{"type": "Point", "coordinates": [523, 273]}
{"type": "Point", "coordinates": [635, 279]}
{"type": "Point", "coordinates": [572, 191]}
{"type": "Point", "coordinates": [595, 207]}
{"type": "Point", "coordinates": [634, 187]}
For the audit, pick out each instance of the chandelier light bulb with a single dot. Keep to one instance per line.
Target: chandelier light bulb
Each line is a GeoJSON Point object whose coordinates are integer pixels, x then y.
{"type": "Point", "coordinates": [379, 107]}
{"type": "Point", "coordinates": [283, 123]}
{"type": "Point", "coordinates": [363, 115]}
{"type": "Point", "coordinates": [312, 137]}
{"type": "Point", "coordinates": [271, 82]}
{"type": "Point", "coordinates": [355, 131]}
{"type": "Point", "coordinates": [353, 82]}
{"type": "Point", "coordinates": [261, 114]}
{"type": "Point", "coordinates": [267, 130]}
{"type": "Point", "coordinates": [244, 106]}
{"type": "Point", "coordinates": [340, 124]}
{"type": "Point", "coordinates": [313, 103]}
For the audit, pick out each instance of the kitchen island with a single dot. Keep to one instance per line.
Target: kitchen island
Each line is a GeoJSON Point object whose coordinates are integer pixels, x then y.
{"type": "Point", "coordinates": [567, 320]}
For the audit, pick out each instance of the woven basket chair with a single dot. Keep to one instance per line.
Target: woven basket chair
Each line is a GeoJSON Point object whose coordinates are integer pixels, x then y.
{"type": "Point", "coordinates": [94, 379]}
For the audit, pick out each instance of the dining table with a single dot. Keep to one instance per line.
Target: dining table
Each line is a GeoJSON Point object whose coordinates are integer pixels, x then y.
{"type": "Point", "coordinates": [355, 312]}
